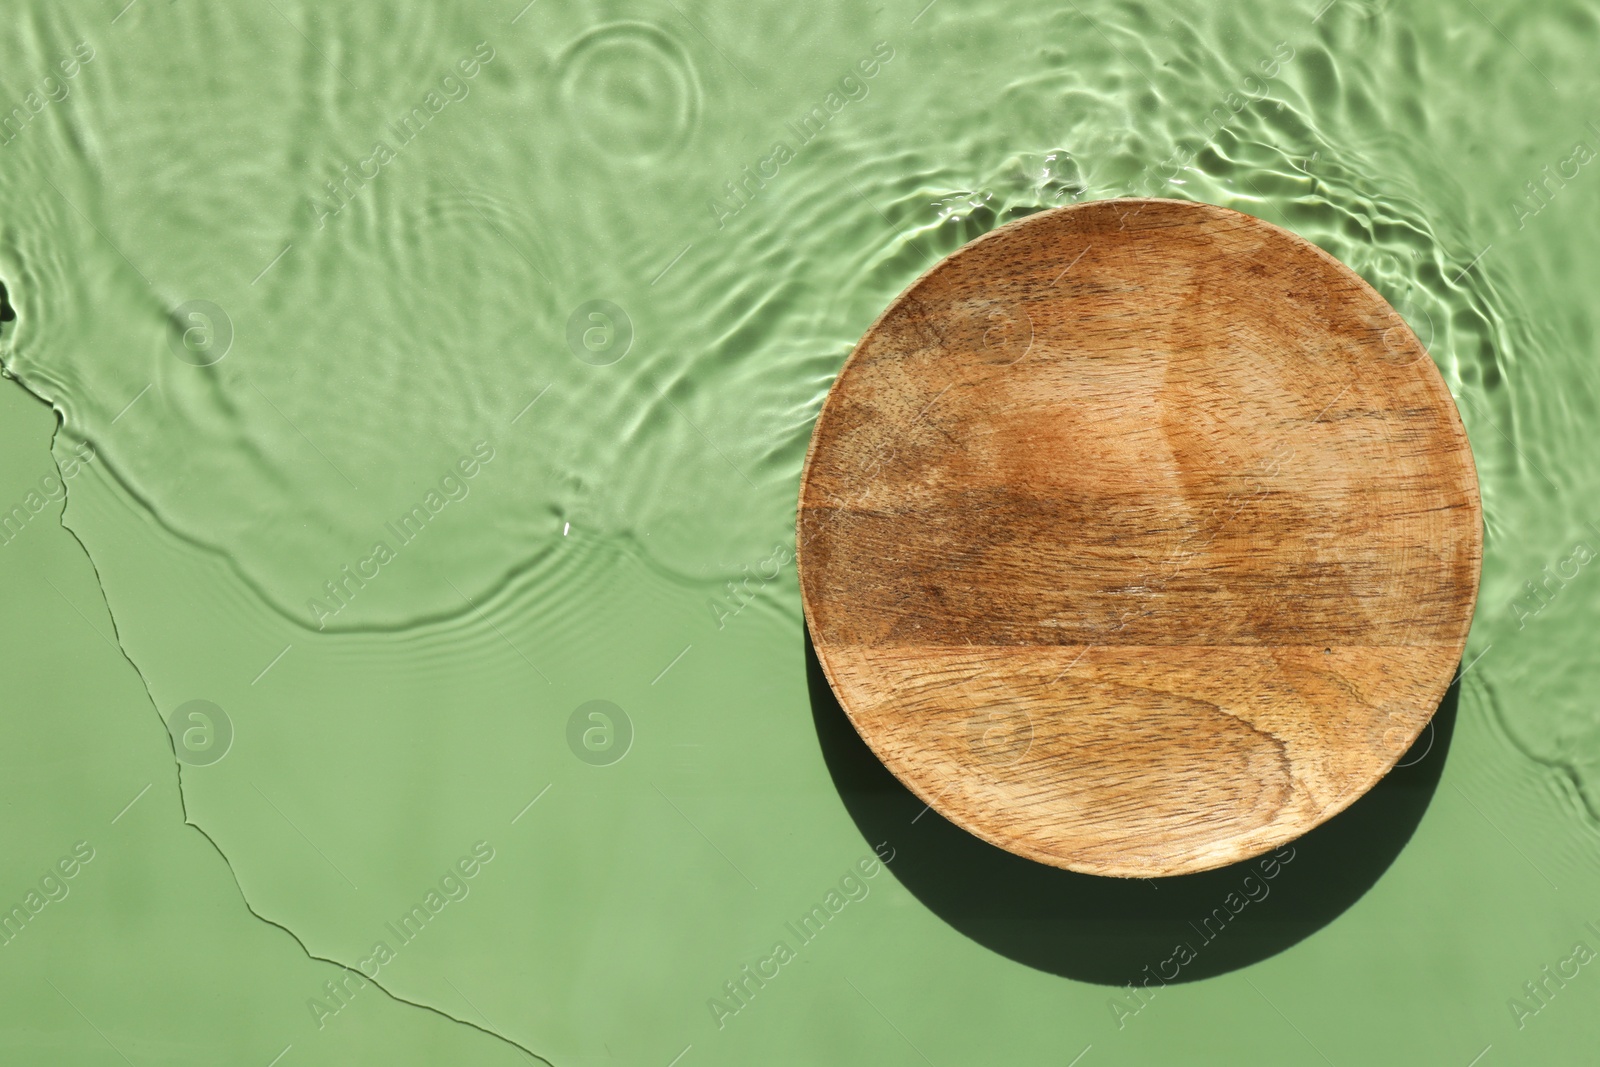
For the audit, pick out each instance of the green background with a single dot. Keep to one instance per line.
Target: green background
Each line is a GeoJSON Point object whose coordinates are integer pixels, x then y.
{"type": "Point", "coordinates": [497, 168]}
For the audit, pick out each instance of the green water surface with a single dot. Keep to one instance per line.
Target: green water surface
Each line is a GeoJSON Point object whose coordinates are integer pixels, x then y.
{"type": "Point", "coordinates": [399, 381]}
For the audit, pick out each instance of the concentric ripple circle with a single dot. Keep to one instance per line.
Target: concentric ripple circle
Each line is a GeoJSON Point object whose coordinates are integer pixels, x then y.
{"type": "Point", "coordinates": [630, 89]}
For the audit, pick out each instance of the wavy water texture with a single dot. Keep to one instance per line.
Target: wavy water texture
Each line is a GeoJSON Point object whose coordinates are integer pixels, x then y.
{"type": "Point", "coordinates": [450, 366]}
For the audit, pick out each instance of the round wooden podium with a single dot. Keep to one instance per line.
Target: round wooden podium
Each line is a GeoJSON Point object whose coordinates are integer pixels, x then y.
{"type": "Point", "coordinates": [1139, 537]}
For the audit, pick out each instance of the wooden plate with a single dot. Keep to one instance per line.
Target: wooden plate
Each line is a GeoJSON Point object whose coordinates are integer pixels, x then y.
{"type": "Point", "coordinates": [1139, 537]}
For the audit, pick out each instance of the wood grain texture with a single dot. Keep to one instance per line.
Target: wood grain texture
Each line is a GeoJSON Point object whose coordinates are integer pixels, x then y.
{"type": "Point", "coordinates": [1139, 537]}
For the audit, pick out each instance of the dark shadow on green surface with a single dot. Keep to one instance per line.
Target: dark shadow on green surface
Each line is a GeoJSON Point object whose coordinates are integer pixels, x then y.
{"type": "Point", "coordinates": [1116, 931]}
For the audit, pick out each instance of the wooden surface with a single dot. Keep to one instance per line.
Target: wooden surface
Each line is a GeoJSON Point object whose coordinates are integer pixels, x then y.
{"type": "Point", "coordinates": [1139, 537]}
